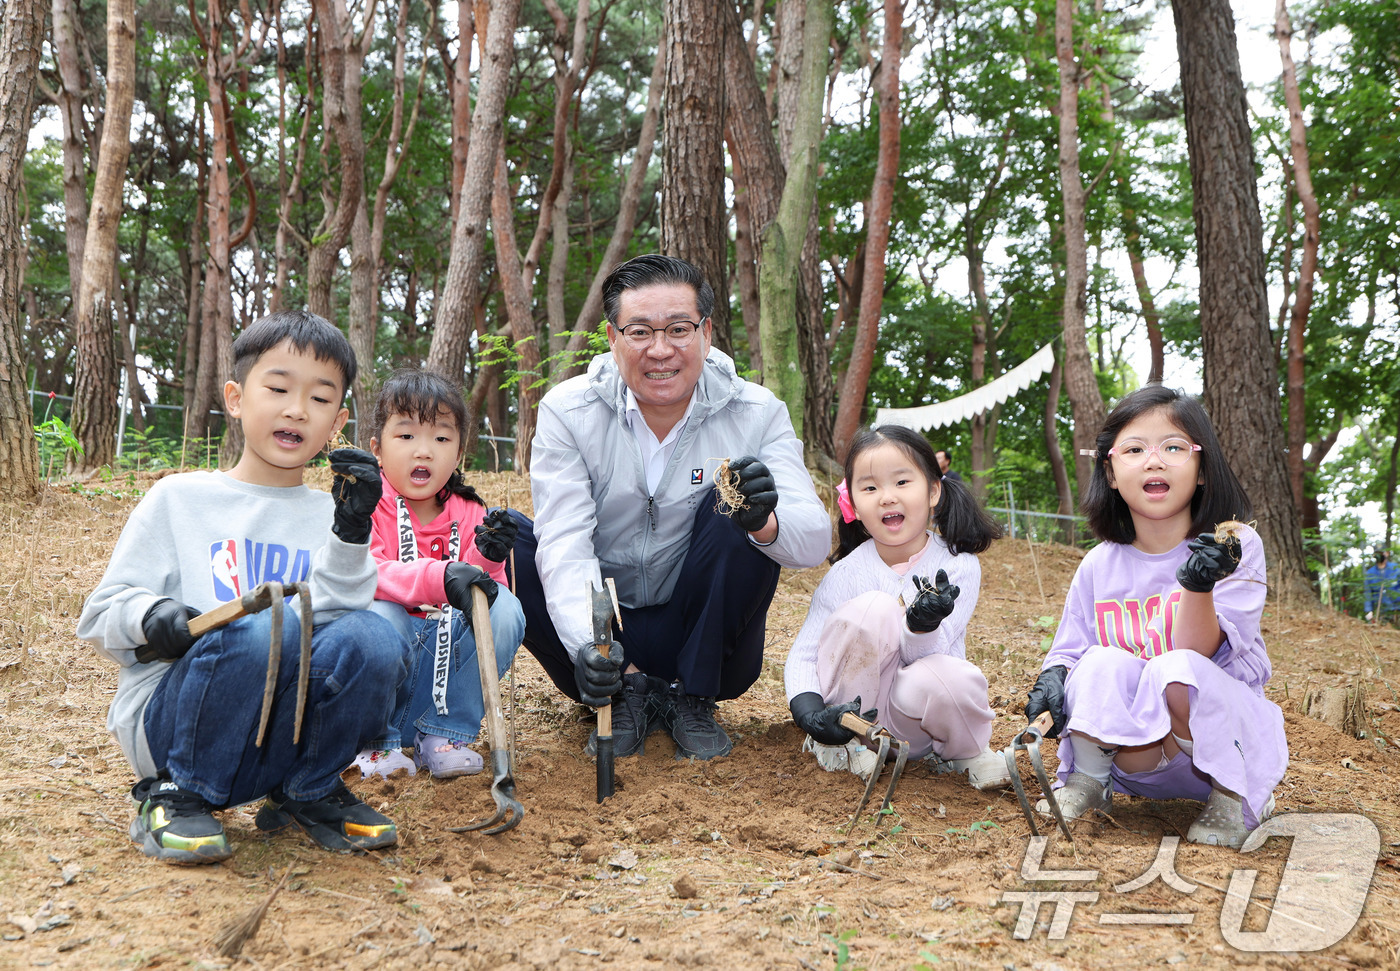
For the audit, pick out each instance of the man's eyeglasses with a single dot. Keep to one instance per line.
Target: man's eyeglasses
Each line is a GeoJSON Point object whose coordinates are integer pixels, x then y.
{"type": "Point", "coordinates": [1173, 451]}
{"type": "Point", "coordinates": [678, 334]}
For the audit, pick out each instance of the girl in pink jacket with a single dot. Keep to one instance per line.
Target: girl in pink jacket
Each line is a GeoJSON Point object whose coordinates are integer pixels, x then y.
{"type": "Point", "coordinates": [434, 539]}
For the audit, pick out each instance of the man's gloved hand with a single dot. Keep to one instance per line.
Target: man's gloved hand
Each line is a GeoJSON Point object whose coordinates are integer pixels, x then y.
{"type": "Point", "coordinates": [459, 579]}
{"type": "Point", "coordinates": [167, 629]}
{"type": "Point", "coordinates": [933, 603]}
{"type": "Point", "coordinates": [1211, 561]}
{"type": "Point", "coordinates": [760, 493]}
{"type": "Point", "coordinates": [1049, 695]}
{"type": "Point", "coordinates": [823, 721]}
{"type": "Point", "coordinates": [496, 535]}
{"type": "Point", "coordinates": [356, 488]}
{"type": "Point", "coordinates": [598, 678]}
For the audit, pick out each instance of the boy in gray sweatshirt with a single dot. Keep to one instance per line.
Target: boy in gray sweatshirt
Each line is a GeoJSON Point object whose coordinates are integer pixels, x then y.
{"type": "Point", "coordinates": [186, 710]}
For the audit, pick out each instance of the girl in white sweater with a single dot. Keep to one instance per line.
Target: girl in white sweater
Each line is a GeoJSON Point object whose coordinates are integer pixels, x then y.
{"type": "Point", "coordinates": [880, 632]}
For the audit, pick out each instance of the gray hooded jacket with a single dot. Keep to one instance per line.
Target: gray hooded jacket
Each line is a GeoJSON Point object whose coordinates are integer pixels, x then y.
{"type": "Point", "coordinates": [594, 517]}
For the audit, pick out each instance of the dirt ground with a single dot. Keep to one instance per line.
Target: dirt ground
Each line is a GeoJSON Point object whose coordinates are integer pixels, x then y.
{"type": "Point", "coordinates": [747, 861]}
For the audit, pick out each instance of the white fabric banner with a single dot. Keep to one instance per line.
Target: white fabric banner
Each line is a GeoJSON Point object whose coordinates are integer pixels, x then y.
{"type": "Point", "coordinates": [976, 401]}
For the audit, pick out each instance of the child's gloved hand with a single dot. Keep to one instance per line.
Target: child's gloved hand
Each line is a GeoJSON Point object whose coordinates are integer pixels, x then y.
{"type": "Point", "coordinates": [933, 603]}
{"type": "Point", "coordinates": [458, 581]}
{"type": "Point", "coordinates": [496, 535]}
{"type": "Point", "coordinates": [1211, 561]}
{"type": "Point", "coordinates": [598, 678]}
{"type": "Point", "coordinates": [823, 721]}
{"type": "Point", "coordinates": [760, 493]}
{"type": "Point", "coordinates": [167, 629]}
{"type": "Point", "coordinates": [1049, 695]}
{"type": "Point", "coordinates": [356, 488]}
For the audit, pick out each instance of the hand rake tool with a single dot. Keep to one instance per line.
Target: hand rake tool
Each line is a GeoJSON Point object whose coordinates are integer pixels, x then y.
{"type": "Point", "coordinates": [508, 807]}
{"type": "Point", "coordinates": [880, 739]}
{"type": "Point", "coordinates": [1028, 741]}
{"type": "Point", "coordinates": [267, 596]}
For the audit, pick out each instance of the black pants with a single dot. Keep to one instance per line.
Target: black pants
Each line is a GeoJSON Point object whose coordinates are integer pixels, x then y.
{"type": "Point", "coordinates": [709, 635]}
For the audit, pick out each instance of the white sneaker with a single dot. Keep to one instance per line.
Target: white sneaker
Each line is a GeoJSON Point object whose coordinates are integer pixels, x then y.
{"type": "Point", "coordinates": [852, 757]}
{"type": "Point", "coordinates": [383, 762]}
{"type": "Point", "coordinates": [985, 770]}
{"type": "Point", "coordinates": [1079, 796]}
{"type": "Point", "coordinates": [1221, 823]}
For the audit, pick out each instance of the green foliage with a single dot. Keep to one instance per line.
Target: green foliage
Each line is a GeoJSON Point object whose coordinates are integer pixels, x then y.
{"type": "Point", "coordinates": [55, 441]}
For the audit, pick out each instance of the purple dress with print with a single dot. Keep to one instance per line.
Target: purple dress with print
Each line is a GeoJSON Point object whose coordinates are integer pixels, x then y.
{"type": "Point", "coordinates": [1117, 639]}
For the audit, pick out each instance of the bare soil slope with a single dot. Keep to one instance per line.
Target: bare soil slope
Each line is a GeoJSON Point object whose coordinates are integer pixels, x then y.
{"type": "Point", "coordinates": [743, 862]}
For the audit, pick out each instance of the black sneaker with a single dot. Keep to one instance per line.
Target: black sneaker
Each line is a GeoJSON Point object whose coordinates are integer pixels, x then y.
{"type": "Point", "coordinates": [339, 821]}
{"type": "Point", "coordinates": [176, 825]}
{"type": "Point", "coordinates": [633, 716]}
{"type": "Point", "coordinates": [693, 726]}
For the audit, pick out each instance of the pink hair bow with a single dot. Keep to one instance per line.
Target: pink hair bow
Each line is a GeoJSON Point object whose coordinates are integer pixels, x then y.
{"type": "Point", "coordinates": [843, 502]}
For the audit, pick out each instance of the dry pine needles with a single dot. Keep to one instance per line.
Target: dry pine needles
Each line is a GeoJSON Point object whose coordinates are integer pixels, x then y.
{"type": "Point", "coordinates": [236, 933]}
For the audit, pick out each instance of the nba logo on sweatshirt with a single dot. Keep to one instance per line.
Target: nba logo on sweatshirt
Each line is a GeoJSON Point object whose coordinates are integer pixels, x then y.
{"type": "Point", "coordinates": [223, 569]}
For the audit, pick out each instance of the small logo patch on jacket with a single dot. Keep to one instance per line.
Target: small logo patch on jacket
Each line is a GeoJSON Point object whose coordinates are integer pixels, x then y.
{"type": "Point", "coordinates": [697, 476]}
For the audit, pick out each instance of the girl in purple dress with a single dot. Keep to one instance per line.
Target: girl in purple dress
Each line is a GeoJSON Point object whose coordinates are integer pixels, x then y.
{"type": "Point", "coordinates": [1158, 668]}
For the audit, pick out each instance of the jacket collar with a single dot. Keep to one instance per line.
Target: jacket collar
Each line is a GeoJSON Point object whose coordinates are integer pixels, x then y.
{"type": "Point", "coordinates": [718, 385]}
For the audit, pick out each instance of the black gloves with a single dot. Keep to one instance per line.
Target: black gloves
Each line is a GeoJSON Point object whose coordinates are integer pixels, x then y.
{"type": "Point", "coordinates": [1049, 695]}
{"type": "Point", "coordinates": [760, 493]}
{"type": "Point", "coordinates": [459, 579]}
{"type": "Point", "coordinates": [496, 535]}
{"type": "Point", "coordinates": [356, 488]}
{"type": "Point", "coordinates": [1210, 562]}
{"type": "Point", "coordinates": [598, 678]}
{"type": "Point", "coordinates": [167, 629]}
{"type": "Point", "coordinates": [934, 602]}
{"type": "Point", "coordinates": [823, 721]}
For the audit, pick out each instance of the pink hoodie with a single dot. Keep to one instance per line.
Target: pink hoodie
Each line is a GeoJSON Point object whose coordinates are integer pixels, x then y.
{"type": "Point", "coordinates": [421, 581]}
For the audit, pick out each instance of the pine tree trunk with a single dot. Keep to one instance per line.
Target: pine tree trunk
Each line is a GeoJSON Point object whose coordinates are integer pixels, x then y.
{"type": "Point", "coordinates": [1307, 271]}
{"type": "Point", "coordinates": [877, 222]}
{"type": "Point", "coordinates": [524, 335]}
{"type": "Point", "coordinates": [70, 113]}
{"type": "Point", "coordinates": [694, 215]}
{"type": "Point", "coordinates": [21, 35]}
{"type": "Point", "coordinates": [781, 241]}
{"type": "Point", "coordinates": [1080, 381]}
{"type": "Point", "coordinates": [1052, 444]}
{"type": "Point", "coordinates": [1241, 381]}
{"type": "Point", "coordinates": [95, 383]}
{"type": "Point", "coordinates": [461, 291]}
{"type": "Point", "coordinates": [626, 221]}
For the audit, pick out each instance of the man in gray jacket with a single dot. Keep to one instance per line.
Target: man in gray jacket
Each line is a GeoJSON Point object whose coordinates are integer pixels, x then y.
{"type": "Point", "coordinates": [622, 474]}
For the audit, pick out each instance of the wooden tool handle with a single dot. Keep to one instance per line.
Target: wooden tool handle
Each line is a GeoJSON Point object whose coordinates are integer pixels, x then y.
{"type": "Point", "coordinates": [605, 712]}
{"type": "Point", "coordinates": [225, 613]}
{"type": "Point", "coordinates": [856, 723]}
{"type": "Point", "coordinates": [1042, 722]}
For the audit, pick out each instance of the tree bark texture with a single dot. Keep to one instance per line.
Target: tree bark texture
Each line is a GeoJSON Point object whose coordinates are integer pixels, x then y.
{"type": "Point", "coordinates": [781, 241]}
{"type": "Point", "coordinates": [1052, 443]}
{"type": "Point", "coordinates": [626, 222]}
{"type": "Point", "coordinates": [70, 113]}
{"type": "Point", "coordinates": [694, 214]}
{"type": "Point", "coordinates": [461, 290]}
{"type": "Point", "coordinates": [1241, 381]}
{"type": "Point", "coordinates": [95, 382]}
{"type": "Point", "coordinates": [1080, 381]}
{"type": "Point", "coordinates": [1307, 270]}
{"type": "Point", "coordinates": [524, 335]}
{"type": "Point", "coordinates": [877, 231]}
{"type": "Point", "coordinates": [21, 35]}
{"type": "Point", "coordinates": [342, 64]}
{"type": "Point", "coordinates": [461, 99]}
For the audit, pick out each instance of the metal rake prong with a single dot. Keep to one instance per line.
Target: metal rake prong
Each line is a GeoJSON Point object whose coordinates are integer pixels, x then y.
{"type": "Point", "coordinates": [1038, 765]}
{"type": "Point", "coordinates": [880, 759]}
{"type": "Point", "coordinates": [274, 658]}
{"type": "Point", "coordinates": [902, 748]}
{"type": "Point", "coordinates": [1014, 771]}
{"type": "Point", "coordinates": [303, 592]}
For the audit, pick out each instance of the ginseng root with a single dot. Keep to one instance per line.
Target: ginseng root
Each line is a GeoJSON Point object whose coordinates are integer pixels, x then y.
{"type": "Point", "coordinates": [731, 500]}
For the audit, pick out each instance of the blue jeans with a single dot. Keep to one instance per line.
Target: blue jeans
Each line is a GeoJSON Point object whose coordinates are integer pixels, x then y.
{"type": "Point", "coordinates": [465, 706]}
{"type": "Point", "coordinates": [202, 721]}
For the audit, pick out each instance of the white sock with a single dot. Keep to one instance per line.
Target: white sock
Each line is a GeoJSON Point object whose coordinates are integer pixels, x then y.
{"type": "Point", "coordinates": [1091, 758]}
{"type": "Point", "coordinates": [1187, 745]}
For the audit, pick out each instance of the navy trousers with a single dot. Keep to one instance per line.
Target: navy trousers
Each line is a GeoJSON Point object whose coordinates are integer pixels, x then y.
{"type": "Point", "coordinates": [709, 635]}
